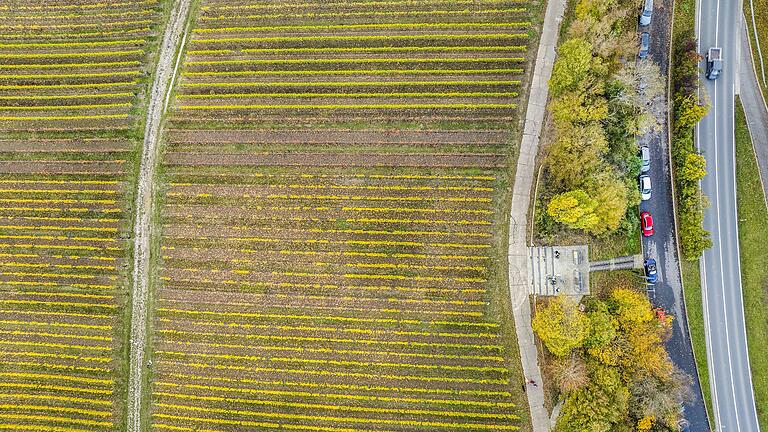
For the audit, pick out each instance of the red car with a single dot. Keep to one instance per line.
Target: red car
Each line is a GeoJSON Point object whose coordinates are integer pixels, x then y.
{"type": "Point", "coordinates": [646, 222]}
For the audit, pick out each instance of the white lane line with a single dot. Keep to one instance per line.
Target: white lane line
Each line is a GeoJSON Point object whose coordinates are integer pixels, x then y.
{"type": "Point", "coordinates": [717, 27]}
{"type": "Point", "coordinates": [722, 267]}
{"type": "Point", "coordinates": [738, 264]}
{"type": "Point", "coordinates": [710, 351]}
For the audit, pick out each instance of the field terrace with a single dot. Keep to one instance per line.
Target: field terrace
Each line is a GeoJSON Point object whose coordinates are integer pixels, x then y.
{"type": "Point", "coordinates": [71, 73]}
{"type": "Point", "coordinates": [332, 259]}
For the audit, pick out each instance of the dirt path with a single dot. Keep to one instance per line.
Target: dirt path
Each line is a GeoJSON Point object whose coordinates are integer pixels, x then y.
{"type": "Point", "coordinates": [166, 69]}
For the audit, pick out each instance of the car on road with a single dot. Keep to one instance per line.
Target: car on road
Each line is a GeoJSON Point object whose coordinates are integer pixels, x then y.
{"type": "Point", "coordinates": [645, 156]}
{"type": "Point", "coordinates": [651, 273]}
{"type": "Point", "coordinates": [645, 44]}
{"type": "Point", "coordinates": [645, 187]}
{"type": "Point", "coordinates": [646, 14]}
{"type": "Point", "coordinates": [646, 222]}
{"type": "Point", "coordinates": [714, 63]}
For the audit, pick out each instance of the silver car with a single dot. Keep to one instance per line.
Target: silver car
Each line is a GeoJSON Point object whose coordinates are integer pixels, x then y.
{"type": "Point", "coordinates": [645, 187]}
{"type": "Point", "coordinates": [645, 15]}
{"type": "Point", "coordinates": [645, 156]}
{"type": "Point", "coordinates": [645, 45]}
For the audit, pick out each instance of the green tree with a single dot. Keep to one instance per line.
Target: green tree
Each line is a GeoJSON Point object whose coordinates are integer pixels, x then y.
{"type": "Point", "coordinates": [602, 406]}
{"type": "Point", "coordinates": [689, 111]}
{"type": "Point", "coordinates": [576, 155]}
{"type": "Point", "coordinates": [561, 325]}
{"type": "Point", "coordinates": [583, 105]}
{"type": "Point", "coordinates": [571, 67]}
{"type": "Point", "coordinates": [610, 194]}
{"type": "Point", "coordinates": [574, 209]}
{"type": "Point", "coordinates": [694, 168]}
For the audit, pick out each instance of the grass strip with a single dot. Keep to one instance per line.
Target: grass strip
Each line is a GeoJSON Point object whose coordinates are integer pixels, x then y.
{"type": "Point", "coordinates": [753, 230]}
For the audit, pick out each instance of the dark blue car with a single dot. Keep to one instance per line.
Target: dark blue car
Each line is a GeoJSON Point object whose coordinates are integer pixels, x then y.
{"type": "Point", "coordinates": [651, 274]}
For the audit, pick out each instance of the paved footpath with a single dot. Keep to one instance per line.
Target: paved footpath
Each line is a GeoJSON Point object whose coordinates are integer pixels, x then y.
{"type": "Point", "coordinates": [754, 108]}
{"type": "Point", "coordinates": [521, 196]}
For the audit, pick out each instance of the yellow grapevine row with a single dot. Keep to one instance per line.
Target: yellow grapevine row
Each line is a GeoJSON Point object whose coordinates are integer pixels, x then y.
{"type": "Point", "coordinates": [344, 374]}
{"type": "Point", "coordinates": [239, 381]}
{"type": "Point", "coordinates": [421, 25]}
{"type": "Point", "coordinates": [58, 419]}
{"type": "Point", "coordinates": [56, 398]}
{"type": "Point", "coordinates": [49, 376]}
{"type": "Point", "coordinates": [337, 318]}
{"type": "Point", "coordinates": [57, 324]}
{"type": "Point", "coordinates": [371, 13]}
{"type": "Point", "coordinates": [390, 37]}
{"type": "Point", "coordinates": [47, 313]}
{"type": "Point", "coordinates": [318, 339]}
{"type": "Point", "coordinates": [72, 117]}
{"type": "Point", "coordinates": [61, 266]}
{"type": "Point", "coordinates": [332, 362]}
{"type": "Point", "coordinates": [68, 86]}
{"type": "Point", "coordinates": [78, 6]}
{"type": "Point", "coordinates": [57, 388]}
{"type": "Point", "coordinates": [352, 330]}
{"type": "Point", "coordinates": [348, 408]}
{"type": "Point", "coordinates": [410, 423]}
{"type": "Point", "coordinates": [355, 397]}
{"type": "Point", "coordinates": [338, 351]}
{"type": "Point", "coordinates": [384, 49]}
{"type": "Point", "coordinates": [359, 72]}
{"type": "Point", "coordinates": [365, 3]}
{"type": "Point", "coordinates": [56, 356]}
{"type": "Point", "coordinates": [57, 345]}
{"type": "Point", "coordinates": [73, 257]}
{"type": "Point", "coordinates": [57, 247]}
{"type": "Point", "coordinates": [68, 65]}
{"type": "Point", "coordinates": [351, 83]}
{"type": "Point", "coordinates": [357, 60]}
{"type": "Point", "coordinates": [373, 254]}
{"type": "Point", "coordinates": [323, 286]}
{"type": "Point", "coordinates": [51, 366]}
{"type": "Point", "coordinates": [57, 303]}
{"type": "Point", "coordinates": [348, 95]}
{"type": "Point", "coordinates": [75, 15]}
{"type": "Point", "coordinates": [361, 175]}
{"type": "Point", "coordinates": [361, 187]}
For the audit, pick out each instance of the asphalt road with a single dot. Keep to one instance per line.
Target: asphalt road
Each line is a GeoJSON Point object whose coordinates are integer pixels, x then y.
{"type": "Point", "coordinates": [667, 293]}
{"type": "Point", "coordinates": [718, 24]}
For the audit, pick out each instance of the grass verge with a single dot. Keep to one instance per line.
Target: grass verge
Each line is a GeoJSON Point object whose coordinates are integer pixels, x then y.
{"type": "Point", "coordinates": [753, 230]}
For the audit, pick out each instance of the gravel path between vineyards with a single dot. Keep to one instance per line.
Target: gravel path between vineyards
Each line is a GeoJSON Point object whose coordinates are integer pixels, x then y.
{"type": "Point", "coordinates": [166, 69]}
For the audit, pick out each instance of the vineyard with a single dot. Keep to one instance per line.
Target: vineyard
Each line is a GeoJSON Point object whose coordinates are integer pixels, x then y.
{"type": "Point", "coordinates": [70, 74]}
{"type": "Point", "coordinates": [333, 224]}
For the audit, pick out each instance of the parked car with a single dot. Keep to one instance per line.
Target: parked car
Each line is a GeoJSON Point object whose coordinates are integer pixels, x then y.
{"type": "Point", "coordinates": [645, 44]}
{"type": "Point", "coordinates": [647, 12]}
{"type": "Point", "coordinates": [645, 156]}
{"type": "Point", "coordinates": [651, 274]}
{"type": "Point", "coordinates": [646, 222]}
{"type": "Point", "coordinates": [645, 187]}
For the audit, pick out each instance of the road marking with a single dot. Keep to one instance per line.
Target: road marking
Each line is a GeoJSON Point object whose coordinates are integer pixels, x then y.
{"type": "Point", "coordinates": [722, 267]}
{"type": "Point", "coordinates": [738, 266]}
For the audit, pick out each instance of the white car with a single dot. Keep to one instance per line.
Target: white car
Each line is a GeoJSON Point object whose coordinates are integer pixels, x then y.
{"type": "Point", "coordinates": [645, 187]}
{"type": "Point", "coordinates": [645, 156]}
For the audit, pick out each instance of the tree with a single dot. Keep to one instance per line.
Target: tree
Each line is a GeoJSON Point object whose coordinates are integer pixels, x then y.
{"type": "Point", "coordinates": [610, 194]}
{"type": "Point", "coordinates": [583, 105]}
{"type": "Point", "coordinates": [576, 155]}
{"type": "Point", "coordinates": [571, 67]}
{"type": "Point", "coordinates": [689, 111]}
{"type": "Point", "coordinates": [561, 325]}
{"type": "Point", "coordinates": [602, 327]}
{"type": "Point", "coordinates": [694, 168]}
{"type": "Point", "coordinates": [574, 209]}
{"type": "Point", "coordinates": [569, 373]}
{"type": "Point", "coordinates": [660, 399]}
{"type": "Point", "coordinates": [602, 406]}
